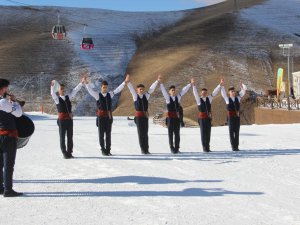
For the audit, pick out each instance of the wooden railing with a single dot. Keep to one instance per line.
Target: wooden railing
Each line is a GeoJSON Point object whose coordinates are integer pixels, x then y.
{"type": "Point", "coordinates": [275, 103]}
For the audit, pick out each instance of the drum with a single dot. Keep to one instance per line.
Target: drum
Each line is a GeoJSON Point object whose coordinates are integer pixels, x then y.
{"type": "Point", "coordinates": [25, 128]}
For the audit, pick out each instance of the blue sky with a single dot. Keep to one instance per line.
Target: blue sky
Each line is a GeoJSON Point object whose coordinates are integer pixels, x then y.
{"type": "Point", "coordinates": [123, 5]}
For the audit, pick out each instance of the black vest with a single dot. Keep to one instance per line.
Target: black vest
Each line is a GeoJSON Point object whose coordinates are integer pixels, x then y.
{"type": "Point", "coordinates": [64, 106]}
{"type": "Point", "coordinates": [205, 106]}
{"type": "Point", "coordinates": [233, 105]}
{"type": "Point", "coordinates": [104, 103]}
{"type": "Point", "coordinates": [141, 104]}
{"type": "Point", "coordinates": [173, 106]}
{"type": "Point", "coordinates": [7, 120]}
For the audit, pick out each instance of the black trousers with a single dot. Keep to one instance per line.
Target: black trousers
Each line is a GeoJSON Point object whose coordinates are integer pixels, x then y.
{"type": "Point", "coordinates": [142, 124]}
{"type": "Point", "coordinates": [173, 125]}
{"type": "Point", "coordinates": [234, 131]}
{"type": "Point", "coordinates": [8, 151]}
{"type": "Point", "coordinates": [104, 128]}
{"type": "Point", "coordinates": [205, 130]}
{"type": "Point", "coordinates": [66, 127]}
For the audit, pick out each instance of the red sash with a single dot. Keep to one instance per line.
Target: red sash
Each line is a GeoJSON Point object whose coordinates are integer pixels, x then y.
{"type": "Point", "coordinates": [141, 114]}
{"type": "Point", "coordinates": [64, 116]}
{"type": "Point", "coordinates": [104, 113]}
{"type": "Point", "coordinates": [233, 113]}
{"type": "Point", "coordinates": [203, 115]}
{"type": "Point", "coordinates": [173, 115]}
{"type": "Point", "coordinates": [9, 133]}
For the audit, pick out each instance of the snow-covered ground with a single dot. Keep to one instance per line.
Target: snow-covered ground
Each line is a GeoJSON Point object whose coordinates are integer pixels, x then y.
{"type": "Point", "coordinates": [256, 186]}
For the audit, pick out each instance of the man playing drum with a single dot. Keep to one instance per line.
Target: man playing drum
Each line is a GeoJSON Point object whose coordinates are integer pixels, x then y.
{"type": "Point", "coordinates": [9, 109]}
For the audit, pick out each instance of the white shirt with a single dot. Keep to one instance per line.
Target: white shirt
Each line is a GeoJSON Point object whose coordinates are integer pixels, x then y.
{"type": "Point", "coordinates": [71, 95]}
{"type": "Point", "coordinates": [181, 93]}
{"type": "Point", "coordinates": [241, 94]}
{"type": "Point", "coordinates": [112, 93]}
{"type": "Point", "coordinates": [11, 107]}
{"type": "Point", "coordinates": [210, 97]}
{"type": "Point", "coordinates": [147, 94]}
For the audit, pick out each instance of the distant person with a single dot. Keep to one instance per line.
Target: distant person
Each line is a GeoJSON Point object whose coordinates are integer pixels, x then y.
{"type": "Point", "coordinates": [104, 112]}
{"type": "Point", "coordinates": [141, 118]}
{"type": "Point", "coordinates": [9, 109]}
{"type": "Point", "coordinates": [205, 116]}
{"type": "Point", "coordinates": [233, 112]}
{"type": "Point", "coordinates": [173, 114]}
{"type": "Point", "coordinates": [65, 117]}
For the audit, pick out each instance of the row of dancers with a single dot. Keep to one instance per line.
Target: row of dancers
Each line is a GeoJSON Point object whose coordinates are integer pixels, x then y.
{"type": "Point", "coordinates": [141, 97]}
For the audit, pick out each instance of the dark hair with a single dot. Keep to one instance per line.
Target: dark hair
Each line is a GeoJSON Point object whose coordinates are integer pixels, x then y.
{"type": "Point", "coordinates": [231, 89]}
{"type": "Point", "coordinates": [171, 87]}
{"type": "Point", "coordinates": [140, 86]}
{"type": "Point", "coordinates": [203, 89]}
{"type": "Point", "coordinates": [104, 82]}
{"type": "Point", "coordinates": [3, 83]}
{"type": "Point", "coordinates": [62, 85]}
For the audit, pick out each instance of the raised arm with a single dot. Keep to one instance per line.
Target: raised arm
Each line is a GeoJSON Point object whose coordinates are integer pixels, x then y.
{"type": "Point", "coordinates": [11, 107]}
{"type": "Point", "coordinates": [132, 91]}
{"type": "Point", "coordinates": [224, 95]}
{"type": "Point", "coordinates": [195, 91]}
{"type": "Point", "coordinates": [53, 94]}
{"type": "Point", "coordinates": [184, 90]}
{"type": "Point", "coordinates": [89, 88]}
{"type": "Point", "coordinates": [117, 90]}
{"type": "Point", "coordinates": [93, 93]}
{"type": "Point", "coordinates": [216, 91]}
{"type": "Point", "coordinates": [152, 87]}
{"type": "Point", "coordinates": [165, 93]}
{"type": "Point", "coordinates": [223, 92]}
{"type": "Point", "coordinates": [75, 90]}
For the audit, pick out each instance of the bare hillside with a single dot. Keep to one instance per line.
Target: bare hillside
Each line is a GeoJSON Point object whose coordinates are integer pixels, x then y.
{"type": "Point", "coordinates": [221, 40]}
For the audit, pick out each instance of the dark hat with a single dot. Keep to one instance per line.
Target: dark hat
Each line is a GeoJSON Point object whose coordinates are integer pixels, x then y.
{"type": "Point", "coordinates": [231, 89]}
{"type": "Point", "coordinates": [172, 87]}
{"type": "Point", "coordinates": [3, 83]}
{"type": "Point", "coordinates": [140, 86]}
{"type": "Point", "coordinates": [203, 89]}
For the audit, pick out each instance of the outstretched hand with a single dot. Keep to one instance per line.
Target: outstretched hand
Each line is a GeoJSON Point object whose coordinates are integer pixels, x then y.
{"type": "Point", "coordinates": [222, 82]}
{"type": "Point", "coordinates": [52, 83]}
{"type": "Point", "coordinates": [193, 81]}
{"type": "Point", "coordinates": [159, 78]}
{"type": "Point", "coordinates": [84, 79]}
{"type": "Point", "coordinates": [127, 78]}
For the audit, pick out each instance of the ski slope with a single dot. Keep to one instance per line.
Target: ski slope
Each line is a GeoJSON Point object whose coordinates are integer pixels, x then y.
{"type": "Point", "coordinates": [257, 186]}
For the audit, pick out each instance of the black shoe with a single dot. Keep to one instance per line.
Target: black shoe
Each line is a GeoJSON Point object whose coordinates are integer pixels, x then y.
{"type": "Point", "coordinates": [12, 193]}
{"type": "Point", "coordinates": [104, 153]}
{"type": "Point", "coordinates": [173, 150]}
{"type": "Point", "coordinates": [67, 156]}
{"type": "Point", "coordinates": [177, 151]}
{"type": "Point", "coordinates": [71, 156]}
{"type": "Point", "coordinates": [1, 191]}
{"type": "Point", "coordinates": [108, 152]}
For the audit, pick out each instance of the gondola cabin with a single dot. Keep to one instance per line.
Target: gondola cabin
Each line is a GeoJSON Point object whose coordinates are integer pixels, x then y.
{"type": "Point", "coordinates": [87, 44]}
{"type": "Point", "coordinates": [59, 32]}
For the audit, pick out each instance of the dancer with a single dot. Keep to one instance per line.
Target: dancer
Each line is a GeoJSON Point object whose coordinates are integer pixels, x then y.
{"type": "Point", "coordinates": [65, 117]}
{"type": "Point", "coordinates": [104, 112]}
{"type": "Point", "coordinates": [141, 99]}
{"type": "Point", "coordinates": [205, 116]}
{"type": "Point", "coordinates": [9, 109]}
{"type": "Point", "coordinates": [233, 112]}
{"type": "Point", "coordinates": [173, 117]}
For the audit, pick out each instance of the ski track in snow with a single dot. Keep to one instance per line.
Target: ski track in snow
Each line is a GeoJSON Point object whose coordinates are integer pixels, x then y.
{"type": "Point", "coordinates": [259, 185]}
